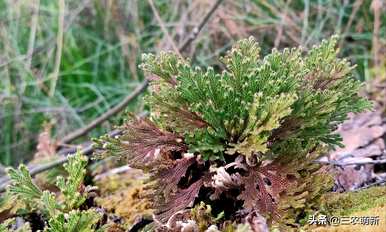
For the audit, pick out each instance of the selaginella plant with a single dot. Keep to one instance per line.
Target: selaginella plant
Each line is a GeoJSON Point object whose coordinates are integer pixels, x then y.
{"type": "Point", "coordinates": [61, 214]}
{"type": "Point", "coordinates": [242, 140]}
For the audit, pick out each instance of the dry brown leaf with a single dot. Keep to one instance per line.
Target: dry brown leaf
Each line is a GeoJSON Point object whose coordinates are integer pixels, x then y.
{"type": "Point", "coordinates": [46, 144]}
{"type": "Point", "coordinates": [363, 141]}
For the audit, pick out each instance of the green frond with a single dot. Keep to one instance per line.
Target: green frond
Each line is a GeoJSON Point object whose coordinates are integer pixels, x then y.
{"type": "Point", "coordinates": [62, 216]}
{"type": "Point", "coordinates": [263, 119]}
{"type": "Point", "coordinates": [255, 105]}
{"type": "Point", "coordinates": [242, 57]}
{"type": "Point", "coordinates": [164, 66]}
{"type": "Point", "coordinates": [69, 187]}
{"type": "Point", "coordinates": [74, 221]}
{"type": "Point", "coordinates": [50, 204]}
{"type": "Point", "coordinates": [23, 187]}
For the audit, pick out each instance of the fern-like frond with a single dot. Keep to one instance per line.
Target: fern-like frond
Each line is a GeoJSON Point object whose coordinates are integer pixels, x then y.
{"type": "Point", "coordinates": [301, 96]}
{"type": "Point", "coordinates": [23, 187]}
{"type": "Point", "coordinates": [74, 221]}
{"type": "Point", "coordinates": [50, 203]}
{"type": "Point", "coordinates": [142, 142]}
{"type": "Point", "coordinates": [247, 134]}
{"type": "Point", "coordinates": [69, 187]}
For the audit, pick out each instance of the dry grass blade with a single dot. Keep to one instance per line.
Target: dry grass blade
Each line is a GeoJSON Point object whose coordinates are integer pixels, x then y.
{"type": "Point", "coordinates": [34, 25]}
{"type": "Point", "coordinates": [163, 27]}
{"type": "Point", "coordinates": [59, 47]}
{"type": "Point", "coordinates": [376, 6]}
{"type": "Point", "coordinates": [118, 108]}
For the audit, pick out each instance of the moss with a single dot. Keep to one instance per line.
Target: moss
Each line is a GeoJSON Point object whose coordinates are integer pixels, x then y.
{"type": "Point", "coordinates": [368, 202]}
{"type": "Point", "coordinates": [376, 211]}
{"type": "Point", "coordinates": [121, 195]}
{"type": "Point", "coordinates": [341, 204]}
{"type": "Point", "coordinates": [304, 198]}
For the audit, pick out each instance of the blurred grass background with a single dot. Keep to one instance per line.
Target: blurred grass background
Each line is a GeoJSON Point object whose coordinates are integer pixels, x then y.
{"type": "Point", "coordinates": [66, 62]}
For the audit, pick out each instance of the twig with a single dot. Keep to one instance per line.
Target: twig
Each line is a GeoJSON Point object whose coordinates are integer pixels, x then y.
{"type": "Point", "coordinates": [196, 30]}
{"type": "Point", "coordinates": [306, 13]}
{"type": "Point", "coordinates": [379, 182]}
{"type": "Point", "coordinates": [339, 163]}
{"type": "Point", "coordinates": [163, 27]}
{"type": "Point", "coordinates": [280, 27]}
{"type": "Point", "coordinates": [116, 109]}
